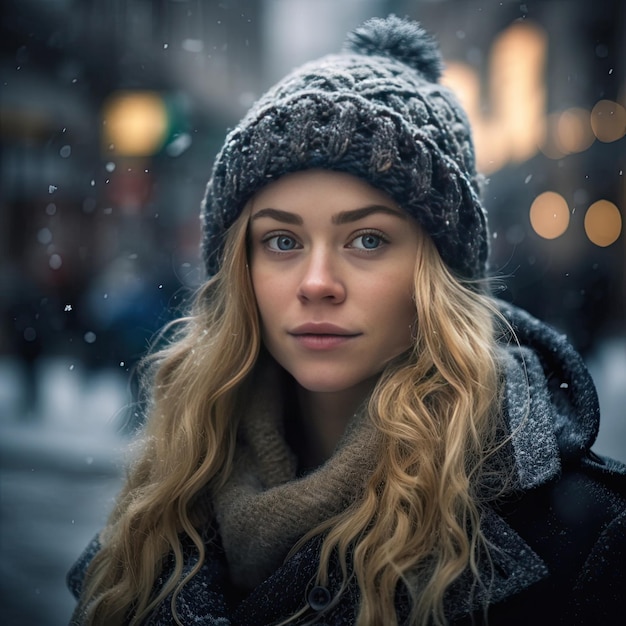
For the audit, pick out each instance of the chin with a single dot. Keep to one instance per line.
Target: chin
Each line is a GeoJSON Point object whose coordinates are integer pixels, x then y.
{"type": "Point", "coordinates": [322, 386]}
{"type": "Point", "coordinates": [331, 384]}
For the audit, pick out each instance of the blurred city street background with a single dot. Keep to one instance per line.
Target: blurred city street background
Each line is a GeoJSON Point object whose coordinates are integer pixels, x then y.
{"type": "Point", "coordinates": [111, 112]}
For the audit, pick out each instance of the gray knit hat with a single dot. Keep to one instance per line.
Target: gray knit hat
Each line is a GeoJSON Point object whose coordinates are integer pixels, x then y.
{"type": "Point", "coordinates": [375, 111]}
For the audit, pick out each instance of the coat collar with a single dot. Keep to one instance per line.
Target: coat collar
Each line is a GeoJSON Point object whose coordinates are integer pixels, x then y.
{"type": "Point", "coordinates": [531, 418]}
{"type": "Point", "coordinates": [550, 401]}
{"type": "Point", "coordinates": [558, 377]}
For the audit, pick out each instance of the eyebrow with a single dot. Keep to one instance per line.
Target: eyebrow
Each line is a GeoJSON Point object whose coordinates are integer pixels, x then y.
{"type": "Point", "coordinates": [345, 217]}
{"type": "Point", "coordinates": [278, 215]}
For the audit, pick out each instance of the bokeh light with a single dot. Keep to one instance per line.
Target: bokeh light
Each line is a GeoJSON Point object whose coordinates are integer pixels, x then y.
{"type": "Point", "coordinates": [508, 122]}
{"type": "Point", "coordinates": [135, 123]}
{"type": "Point", "coordinates": [549, 215]}
{"type": "Point", "coordinates": [573, 130]}
{"type": "Point", "coordinates": [603, 223]}
{"type": "Point", "coordinates": [608, 120]}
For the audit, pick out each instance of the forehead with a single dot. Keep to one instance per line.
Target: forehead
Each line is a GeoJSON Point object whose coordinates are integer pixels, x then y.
{"type": "Point", "coordinates": [337, 191]}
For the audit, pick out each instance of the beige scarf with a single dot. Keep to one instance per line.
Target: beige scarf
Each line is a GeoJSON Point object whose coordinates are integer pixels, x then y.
{"type": "Point", "coordinates": [264, 508]}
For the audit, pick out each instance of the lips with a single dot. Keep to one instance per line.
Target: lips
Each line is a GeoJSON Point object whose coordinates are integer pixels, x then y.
{"type": "Point", "coordinates": [322, 336]}
{"type": "Point", "coordinates": [321, 328]}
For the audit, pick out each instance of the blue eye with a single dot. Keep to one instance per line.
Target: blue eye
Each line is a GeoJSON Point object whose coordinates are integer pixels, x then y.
{"type": "Point", "coordinates": [282, 243]}
{"type": "Point", "coordinates": [368, 241]}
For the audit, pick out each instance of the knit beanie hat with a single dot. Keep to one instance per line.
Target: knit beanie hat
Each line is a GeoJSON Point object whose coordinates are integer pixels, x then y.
{"type": "Point", "coordinates": [375, 111]}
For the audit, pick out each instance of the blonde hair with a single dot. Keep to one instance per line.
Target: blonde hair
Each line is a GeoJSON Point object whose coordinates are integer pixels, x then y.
{"type": "Point", "coordinates": [418, 521]}
{"type": "Point", "coordinates": [187, 446]}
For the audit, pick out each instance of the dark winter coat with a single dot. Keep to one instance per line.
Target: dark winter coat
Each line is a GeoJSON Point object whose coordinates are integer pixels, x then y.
{"type": "Point", "coordinates": [559, 537]}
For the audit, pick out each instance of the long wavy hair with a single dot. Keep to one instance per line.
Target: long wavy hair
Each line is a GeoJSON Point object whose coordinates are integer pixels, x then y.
{"type": "Point", "coordinates": [417, 523]}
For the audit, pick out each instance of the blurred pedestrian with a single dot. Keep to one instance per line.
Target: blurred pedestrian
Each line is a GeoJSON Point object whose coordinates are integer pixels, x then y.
{"type": "Point", "coordinates": [349, 428]}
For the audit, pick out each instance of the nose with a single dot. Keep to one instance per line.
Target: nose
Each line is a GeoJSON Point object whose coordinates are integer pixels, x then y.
{"type": "Point", "coordinates": [320, 279]}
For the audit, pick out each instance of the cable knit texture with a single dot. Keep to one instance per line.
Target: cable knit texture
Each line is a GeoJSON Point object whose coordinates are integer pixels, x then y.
{"type": "Point", "coordinates": [375, 111]}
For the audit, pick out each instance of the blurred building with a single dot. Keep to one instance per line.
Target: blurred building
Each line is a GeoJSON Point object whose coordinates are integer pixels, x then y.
{"type": "Point", "coordinates": [112, 111]}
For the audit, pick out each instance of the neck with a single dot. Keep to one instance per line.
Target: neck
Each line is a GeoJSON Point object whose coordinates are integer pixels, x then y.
{"type": "Point", "coordinates": [325, 416]}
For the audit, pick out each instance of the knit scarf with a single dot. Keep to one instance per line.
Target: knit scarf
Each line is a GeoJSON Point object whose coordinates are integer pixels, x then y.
{"type": "Point", "coordinates": [264, 508]}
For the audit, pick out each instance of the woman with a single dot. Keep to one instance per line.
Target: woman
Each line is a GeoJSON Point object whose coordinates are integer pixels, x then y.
{"type": "Point", "coordinates": [348, 428]}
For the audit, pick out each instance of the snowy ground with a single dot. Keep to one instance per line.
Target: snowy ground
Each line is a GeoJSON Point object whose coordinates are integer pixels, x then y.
{"type": "Point", "coordinates": [60, 469]}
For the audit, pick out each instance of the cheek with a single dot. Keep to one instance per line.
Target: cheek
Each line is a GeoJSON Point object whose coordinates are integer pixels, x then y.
{"type": "Point", "coordinates": [401, 316]}
{"type": "Point", "coordinates": [268, 293]}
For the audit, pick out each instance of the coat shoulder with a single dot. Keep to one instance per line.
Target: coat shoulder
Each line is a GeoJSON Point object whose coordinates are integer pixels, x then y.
{"type": "Point", "coordinates": [564, 518]}
{"type": "Point", "coordinates": [576, 524]}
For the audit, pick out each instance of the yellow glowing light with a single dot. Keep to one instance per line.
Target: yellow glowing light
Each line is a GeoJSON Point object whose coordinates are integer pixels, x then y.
{"type": "Point", "coordinates": [608, 120]}
{"type": "Point", "coordinates": [549, 215]}
{"type": "Point", "coordinates": [573, 130]}
{"type": "Point", "coordinates": [603, 223]}
{"type": "Point", "coordinates": [516, 93]}
{"type": "Point", "coordinates": [517, 65]}
{"type": "Point", "coordinates": [135, 123]}
{"type": "Point", "coordinates": [492, 145]}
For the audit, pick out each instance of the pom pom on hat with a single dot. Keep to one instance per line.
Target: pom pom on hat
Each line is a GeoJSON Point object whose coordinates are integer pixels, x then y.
{"type": "Point", "coordinates": [398, 39]}
{"type": "Point", "coordinates": [375, 111]}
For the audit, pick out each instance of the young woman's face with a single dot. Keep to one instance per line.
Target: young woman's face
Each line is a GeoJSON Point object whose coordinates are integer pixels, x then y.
{"type": "Point", "coordinates": [332, 263]}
